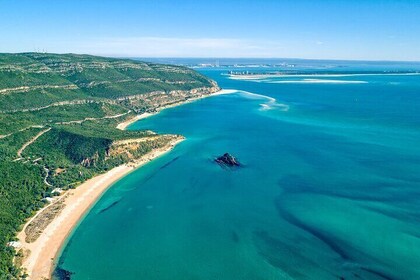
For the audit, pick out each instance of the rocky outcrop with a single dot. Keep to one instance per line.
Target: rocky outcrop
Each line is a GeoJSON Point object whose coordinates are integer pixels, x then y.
{"type": "Point", "coordinates": [227, 160]}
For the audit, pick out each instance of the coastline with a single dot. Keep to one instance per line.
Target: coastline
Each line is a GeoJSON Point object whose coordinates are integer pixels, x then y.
{"type": "Point", "coordinates": [266, 76]}
{"type": "Point", "coordinates": [128, 122]}
{"type": "Point", "coordinates": [40, 256]}
{"type": "Point", "coordinates": [39, 264]}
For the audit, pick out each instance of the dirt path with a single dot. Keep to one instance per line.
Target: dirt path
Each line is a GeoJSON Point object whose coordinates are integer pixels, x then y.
{"type": "Point", "coordinates": [19, 153]}
{"type": "Point", "coordinates": [95, 119]}
{"type": "Point", "coordinates": [42, 252]}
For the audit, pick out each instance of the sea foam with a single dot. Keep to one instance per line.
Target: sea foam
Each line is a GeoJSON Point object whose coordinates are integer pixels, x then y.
{"type": "Point", "coordinates": [269, 105]}
{"type": "Point", "coordinates": [317, 81]}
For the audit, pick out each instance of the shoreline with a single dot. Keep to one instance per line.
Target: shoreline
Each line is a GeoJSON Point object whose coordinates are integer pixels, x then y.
{"type": "Point", "coordinates": [43, 252]}
{"type": "Point", "coordinates": [41, 255]}
{"type": "Point", "coordinates": [128, 122]}
{"type": "Point", "coordinates": [285, 75]}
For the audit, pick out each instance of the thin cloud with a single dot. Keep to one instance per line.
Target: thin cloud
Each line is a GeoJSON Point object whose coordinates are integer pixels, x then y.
{"type": "Point", "coordinates": [211, 47]}
{"type": "Point", "coordinates": [175, 47]}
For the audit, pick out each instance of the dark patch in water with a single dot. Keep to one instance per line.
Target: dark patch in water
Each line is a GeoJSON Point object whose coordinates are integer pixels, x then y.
{"type": "Point", "coordinates": [195, 189]}
{"type": "Point", "coordinates": [63, 254]}
{"type": "Point", "coordinates": [377, 273]}
{"type": "Point", "coordinates": [288, 257]}
{"type": "Point", "coordinates": [169, 163]}
{"type": "Point", "coordinates": [321, 236]}
{"type": "Point", "coordinates": [110, 206]}
{"type": "Point", "coordinates": [61, 274]}
{"type": "Point", "coordinates": [149, 177]}
{"type": "Point", "coordinates": [292, 184]}
{"type": "Point", "coordinates": [162, 167]}
{"type": "Point", "coordinates": [295, 184]}
{"type": "Point", "coordinates": [235, 237]}
{"type": "Point", "coordinates": [273, 251]}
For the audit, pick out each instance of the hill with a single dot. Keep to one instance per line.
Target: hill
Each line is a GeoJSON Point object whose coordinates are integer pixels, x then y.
{"type": "Point", "coordinates": [58, 118]}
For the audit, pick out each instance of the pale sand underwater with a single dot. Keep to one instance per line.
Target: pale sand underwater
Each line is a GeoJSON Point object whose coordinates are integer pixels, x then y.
{"type": "Point", "coordinates": [41, 253]}
{"type": "Point", "coordinates": [328, 189]}
{"type": "Point", "coordinates": [127, 123]}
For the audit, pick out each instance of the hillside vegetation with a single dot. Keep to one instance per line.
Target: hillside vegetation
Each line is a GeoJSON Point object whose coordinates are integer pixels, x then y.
{"type": "Point", "coordinates": [58, 118]}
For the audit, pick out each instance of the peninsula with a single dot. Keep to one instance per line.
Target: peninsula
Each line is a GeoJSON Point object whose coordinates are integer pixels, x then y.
{"type": "Point", "coordinates": [63, 142]}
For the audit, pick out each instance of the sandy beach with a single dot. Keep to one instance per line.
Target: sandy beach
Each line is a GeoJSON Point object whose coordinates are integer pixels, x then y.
{"type": "Point", "coordinates": [40, 255]}
{"type": "Point", "coordinates": [284, 75]}
{"type": "Point", "coordinates": [125, 124]}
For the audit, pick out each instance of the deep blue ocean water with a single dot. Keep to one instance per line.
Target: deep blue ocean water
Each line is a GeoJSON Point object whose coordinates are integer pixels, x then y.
{"type": "Point", "coordinates": [330, 187]}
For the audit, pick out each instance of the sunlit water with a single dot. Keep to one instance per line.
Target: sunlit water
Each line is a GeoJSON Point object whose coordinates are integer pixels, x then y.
{"type": "Point", "coordinates": [329, 188]}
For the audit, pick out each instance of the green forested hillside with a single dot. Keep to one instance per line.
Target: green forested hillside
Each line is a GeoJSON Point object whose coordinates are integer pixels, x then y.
{"type": "Point", "coordinates": [58, 118]}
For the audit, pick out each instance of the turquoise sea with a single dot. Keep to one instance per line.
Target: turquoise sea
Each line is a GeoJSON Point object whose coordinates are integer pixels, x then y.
{"type": "Point", "coordinates": [329, 188]}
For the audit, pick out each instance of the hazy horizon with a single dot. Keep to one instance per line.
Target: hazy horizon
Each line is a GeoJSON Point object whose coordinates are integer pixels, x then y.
{"type": "Point", "coordinates": [220, 58]}
{"type": "Point", "coordinates": [325, 30]}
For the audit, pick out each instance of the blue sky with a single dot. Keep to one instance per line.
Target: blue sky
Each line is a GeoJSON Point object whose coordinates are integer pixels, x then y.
{"type": "Point", "coordinates": [325, 29]}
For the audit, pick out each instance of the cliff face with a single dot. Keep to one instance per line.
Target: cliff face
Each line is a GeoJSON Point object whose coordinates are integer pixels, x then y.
{"type": "Point", "coordinates": [58, 118]}
{"type": "Point", "coordinates": [34, 81]}
{"type": "Point", "coordinates": [78, 100]}
{"type": "Point", "coordinates": [151, 101]}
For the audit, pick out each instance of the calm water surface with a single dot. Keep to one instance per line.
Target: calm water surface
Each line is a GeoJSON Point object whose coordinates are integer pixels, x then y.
{"type": "Point", "coordinates": [330, 187]}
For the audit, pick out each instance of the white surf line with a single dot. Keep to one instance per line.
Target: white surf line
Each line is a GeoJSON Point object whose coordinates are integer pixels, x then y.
{"type": "Point", "coordinates": [302, 81]}
{"type": "Point", "coordinates": [315, 81]}
{"type": "Point", "coordinates": [124, 125]}
{"type": "Point", "coordinates": [351, 75]}
{"type": "Point", "coordinates": [265, 76]}
{"type": "Point", "coordinates": [271, 99]}
{"type": "Point", "coordinates": [272, 102]}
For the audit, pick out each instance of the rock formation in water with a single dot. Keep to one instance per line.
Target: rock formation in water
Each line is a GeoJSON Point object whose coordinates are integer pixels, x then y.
{"type": "Point", "coordinates": [227, 160]}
